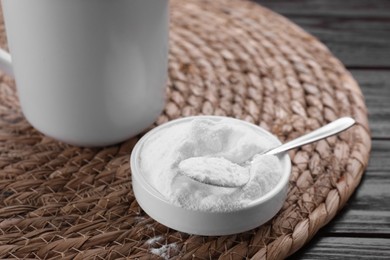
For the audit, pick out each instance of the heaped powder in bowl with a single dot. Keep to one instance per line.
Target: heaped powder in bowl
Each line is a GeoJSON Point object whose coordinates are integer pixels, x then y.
{"type": "Point", "coordinates": [231, 144]}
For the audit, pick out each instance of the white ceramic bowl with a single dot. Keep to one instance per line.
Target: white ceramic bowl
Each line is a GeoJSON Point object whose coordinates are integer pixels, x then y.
{"type": "Point", "coordinates": [205, 222]}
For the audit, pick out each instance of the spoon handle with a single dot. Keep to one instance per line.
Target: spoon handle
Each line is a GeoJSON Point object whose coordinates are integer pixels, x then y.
{"type": "Point", "coordinates": [332, 128]}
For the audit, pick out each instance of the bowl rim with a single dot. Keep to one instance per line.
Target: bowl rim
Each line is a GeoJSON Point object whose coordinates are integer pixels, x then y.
{"type": "Point", "coordinates": [283, 157]}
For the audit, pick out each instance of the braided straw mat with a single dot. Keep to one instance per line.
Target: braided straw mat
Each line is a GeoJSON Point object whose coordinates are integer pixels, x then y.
{"type": "Point", "coordinates": [227, 57]}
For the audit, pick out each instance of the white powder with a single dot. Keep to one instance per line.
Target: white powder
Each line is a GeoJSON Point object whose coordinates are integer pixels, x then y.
{"type": "Point", "coordinates": [153, 240]}
{"type": "Point", "coordinates": [200, 143]}
{"type": "Point", "coordinates": [215, 171]}
{"type": "Point", "coordinates": [165, 251]}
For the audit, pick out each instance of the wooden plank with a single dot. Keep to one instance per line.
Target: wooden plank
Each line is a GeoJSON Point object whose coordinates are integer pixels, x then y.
{"type": "Point", "coordinates": [358, 33]}
{"type": "Point", "coordinates": [379, 164]}
{"type": "Point", "coordinates": [368, 222]}
{"type": "Point", "coordinates": [365, 217]}
{"type": "Point", "coordinates": [378, 9]}
{"type": "Point", "coordinates": [358, 41]}
{"type": "Point", "coordinates": [362, 229]}
{"type": "Point", "coordinates": [375, 85]}
{"type": "Point", "coordinates": [345, 248]}
{"type": "Point", "coordinates": [368, 211]}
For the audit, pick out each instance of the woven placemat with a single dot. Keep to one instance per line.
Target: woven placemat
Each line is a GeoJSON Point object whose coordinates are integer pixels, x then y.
{"type": "Point", "coordinates": [227, 57]}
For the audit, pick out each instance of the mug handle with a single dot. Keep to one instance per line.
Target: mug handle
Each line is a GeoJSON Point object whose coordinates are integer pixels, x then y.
{"type": "Point", "coordinates": [6, 63]}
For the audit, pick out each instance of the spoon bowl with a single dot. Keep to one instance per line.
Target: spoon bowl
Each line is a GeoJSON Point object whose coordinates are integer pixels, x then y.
{"type": "Point", "coordinates": [216, 171]}
{"type": "Point", "coordinates": [223, 173]}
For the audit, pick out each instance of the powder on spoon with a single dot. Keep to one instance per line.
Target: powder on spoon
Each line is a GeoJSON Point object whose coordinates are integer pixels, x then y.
{"type": "Point", "coordinates": [163, 157]}
{"type": "Point", "coordinates": [214, 171]}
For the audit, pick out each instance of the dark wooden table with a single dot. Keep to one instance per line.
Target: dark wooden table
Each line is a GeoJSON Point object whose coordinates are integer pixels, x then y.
{"type": "Point", "coordinates": [358, 33]}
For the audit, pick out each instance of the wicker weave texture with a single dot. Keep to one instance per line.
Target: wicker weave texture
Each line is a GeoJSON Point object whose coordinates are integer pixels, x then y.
{"type": "Point", "coordinates": [227, 57]}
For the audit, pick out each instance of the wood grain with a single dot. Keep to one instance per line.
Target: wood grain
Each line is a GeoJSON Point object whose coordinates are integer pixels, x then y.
{"type": "Point", "coordinates": [378, 9]}
{"type": "Point", "coordinates": [358, 33]}
{"type": "Point", "coordinates": [347, 248]}
{"type": "Point", "coordinates": [367, 213]}
{"type": "Point", "coordinates": [375, 85]}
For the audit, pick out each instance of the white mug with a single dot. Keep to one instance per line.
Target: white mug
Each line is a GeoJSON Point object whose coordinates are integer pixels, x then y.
{"type": "Point", "coordinates": [88, 72]}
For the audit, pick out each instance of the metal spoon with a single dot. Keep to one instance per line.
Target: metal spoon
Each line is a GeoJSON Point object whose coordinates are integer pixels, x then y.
{"type": "Point", "coordinates": [195, 167]}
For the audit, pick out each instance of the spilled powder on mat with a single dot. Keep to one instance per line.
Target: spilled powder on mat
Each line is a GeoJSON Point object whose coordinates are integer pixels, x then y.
{"type": "Point", "coordinates": [238, 143]}
{"type": "Point", "coordinates": [165, 251]}
{"type": "Point", "coordinates": [153, 240]}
